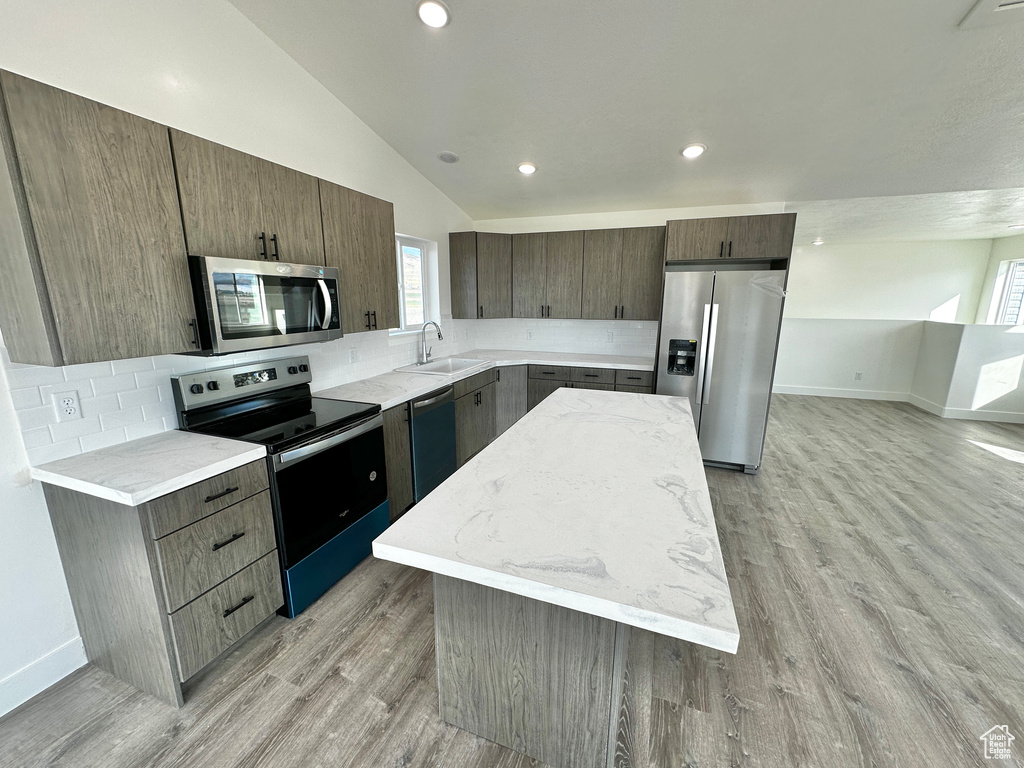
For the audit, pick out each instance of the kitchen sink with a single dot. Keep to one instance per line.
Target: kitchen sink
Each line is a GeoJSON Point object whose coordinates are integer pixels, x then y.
{"type": "Point", "coordinates": [445, 366]}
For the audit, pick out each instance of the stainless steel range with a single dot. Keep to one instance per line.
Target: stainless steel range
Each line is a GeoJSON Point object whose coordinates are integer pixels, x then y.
{"type": "Point", "coordinates": [325, 458]}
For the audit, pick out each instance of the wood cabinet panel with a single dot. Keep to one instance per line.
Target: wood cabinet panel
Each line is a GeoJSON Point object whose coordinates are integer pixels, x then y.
{"type": "Point", "coordinates": [398, 454]}
{"type": "Point", "coordinates": [761, 237]}
{"type": "Point", "coordinates": [632, 388]}
{"type": "Point", "coordinates": [474, 423]}
{"type": "Point", "coordinates": [538, 389]}
{"type": "Point", "coordinates": [202, 555]}
{"type": "Point", "coordinates": [529, 275]}
{"type": "Point", "coordinates": [201, 629]}
{"type": "Point", "coordinates": [472, 383]}
{"type": "Point", "coordinates": [643, 271]}
{"type": "Point", "coordinates": [689, 239]}
{"type": "Point", "coordinates": [602, 273]}
{"type": "Point", "coordinates": [561, 372]}
{"type": "Point", "coordinates": [494, 274]}
{"type": "Point", "coordinates": [564, 274]}
{"type": "Point", "coordinates": [634, 378]}
{"type": "Point", "coordinates": [592, 375]}
{"type": "Point", "coordinates": [98, 188]}
{"type": "Point", "coordinates": [509, 396]}
{"type": "Point", "coordinates": [381, 222]}
{"type": "Point", "coordinates": [290, 203]}
{"type": "Point", "coordinates": [462, 262]}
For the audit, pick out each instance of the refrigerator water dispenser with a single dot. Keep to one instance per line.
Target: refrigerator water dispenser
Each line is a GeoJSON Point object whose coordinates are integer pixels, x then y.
{"type": "Point", "coordinates": [682, 354]}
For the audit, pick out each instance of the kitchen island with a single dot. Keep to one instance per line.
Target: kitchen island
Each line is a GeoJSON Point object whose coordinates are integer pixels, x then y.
{"type": "Point", "coordinates": [557, 551]}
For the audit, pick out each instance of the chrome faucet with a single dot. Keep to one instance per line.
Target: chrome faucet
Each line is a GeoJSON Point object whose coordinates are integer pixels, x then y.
{"type": "Point", "coordinates": [424, 349]}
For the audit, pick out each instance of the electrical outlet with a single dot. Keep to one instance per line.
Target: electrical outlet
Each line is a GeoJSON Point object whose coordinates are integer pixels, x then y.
{"type": "Point", "coordinates": [529, 333]}
{"type": "Point", "coordinates": [67, 405]}
{"type": "Point", "coordinates": [351, 355]}
{"type": "Point", "coordinates": [858, 376]}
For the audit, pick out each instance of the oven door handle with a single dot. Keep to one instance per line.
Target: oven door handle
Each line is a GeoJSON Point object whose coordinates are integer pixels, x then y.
{"type": "Point", "coordinates": [328, 307]}
{"type": "Point", "coordinates": [286, 459]}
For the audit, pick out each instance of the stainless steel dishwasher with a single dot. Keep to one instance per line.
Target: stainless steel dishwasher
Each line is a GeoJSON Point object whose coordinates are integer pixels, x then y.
{"type": "Point", "coordinates": [433, 440]}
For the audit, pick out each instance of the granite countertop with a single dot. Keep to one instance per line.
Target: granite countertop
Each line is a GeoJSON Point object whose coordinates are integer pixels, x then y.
{"type": "Point", "coordinates": [396, 387]}
{"type": "Point", "coordinates": [141, 470]}
{"type": "Point", "coordinates": [595, 501]}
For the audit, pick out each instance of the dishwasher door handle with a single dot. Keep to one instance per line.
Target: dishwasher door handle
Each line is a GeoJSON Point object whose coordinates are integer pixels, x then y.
{"type": "Point", "coordinates": [435, 399]}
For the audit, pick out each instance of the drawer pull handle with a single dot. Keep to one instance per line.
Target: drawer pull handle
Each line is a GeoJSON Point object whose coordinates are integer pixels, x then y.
{"type": "Point", "coordinates": [633, 378]}
{"type": "Point", "coordinates": [548, 373]}
{"type": "Point", "coordinates": [233, 539]}
{"type": "Point", "coordinates": [216, 496]}
{"type": "Point", "coordinates": [245, 600]}
{"type": "Point", "coordinates": [591, 375]}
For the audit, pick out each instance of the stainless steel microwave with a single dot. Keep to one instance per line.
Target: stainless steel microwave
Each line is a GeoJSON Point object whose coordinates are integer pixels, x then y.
{"type": "Point", "coordinates": [243, 305]}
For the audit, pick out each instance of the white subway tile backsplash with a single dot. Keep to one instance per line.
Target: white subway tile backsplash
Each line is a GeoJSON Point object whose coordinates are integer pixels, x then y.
{"type": "Point", "coordinates": [160, 410]}
{"type": "Point", "coordinates": [32, 418]}
{"type": "Point", "coordinates": [139, 397]}
{"type": "Point", "coordinates": [113, 384]}
{"type": "Point", "coordinates": [87, 371]}
{"type": "Point", "coordinates": [72, 430]}
{"type": "Point", "coordinates": [35, 438]}
{"type": "Point", "coordinates": [122, 418]}
{"type": "Point", "coordinates": [134, 365]}
{"type": "Point", "coordinates": [24, 376]}
{"type": "Point", "coordinates": [145, 429]}
{"type": "Point", "coordinates": [94, 406]}
{"type": "Point", "coordinates": [103, 439]}
{"type": "Point", "coordinates": [53, 452]}
{"type": "Point", "coordinates": [26, 398]}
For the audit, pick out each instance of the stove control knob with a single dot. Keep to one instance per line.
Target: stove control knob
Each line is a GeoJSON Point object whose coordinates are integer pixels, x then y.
{"type": "Point", "coordinates": [292, 370]}
{"type": "Point", "coordinates": [213, 386]}
{"type": "Point", "coordinates": [196, 389]}
{"type": "Point", "coordinates": [304, 368]}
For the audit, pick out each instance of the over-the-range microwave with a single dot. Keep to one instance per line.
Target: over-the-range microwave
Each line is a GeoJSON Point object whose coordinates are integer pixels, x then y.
{"type": "Point", "coordinates": [243, 305]}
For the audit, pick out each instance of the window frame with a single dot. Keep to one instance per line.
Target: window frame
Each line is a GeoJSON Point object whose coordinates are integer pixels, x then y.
{"type": "Point", "coordinates": [1014, 273]}
{"type": "Point", "coordinates": [424, 249]}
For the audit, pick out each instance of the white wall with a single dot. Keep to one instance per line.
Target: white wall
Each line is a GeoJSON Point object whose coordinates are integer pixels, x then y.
{"type": "Point", "coordinates": [936, 360]}
{"type": "Point", "coordinates": [987, 382]}
{"type": "Point", "coordinates": [200, 66]}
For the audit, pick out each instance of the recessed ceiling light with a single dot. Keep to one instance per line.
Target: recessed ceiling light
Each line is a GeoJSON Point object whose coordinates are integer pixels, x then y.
{"type": "Point", "coordinates": [818, 241]}
{"type": "Point", "coordinates": [434, 13]}
{"type": "Point", "coordinates": [692, 151]}
{"type": "Point", "coordinates": [1017, 226]}
{"type": "Point", "coordinates": [527, 168]}
{"type": "Point", "coordinates": [448, 157]}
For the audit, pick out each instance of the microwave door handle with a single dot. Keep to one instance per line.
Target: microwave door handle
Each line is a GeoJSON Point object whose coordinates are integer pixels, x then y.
{"type": "Point", "coordinates": [328, 306]}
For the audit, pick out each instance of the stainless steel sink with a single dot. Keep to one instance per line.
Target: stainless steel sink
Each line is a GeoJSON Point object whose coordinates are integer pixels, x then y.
{"type": "Point", "coordinates": [445, 366]}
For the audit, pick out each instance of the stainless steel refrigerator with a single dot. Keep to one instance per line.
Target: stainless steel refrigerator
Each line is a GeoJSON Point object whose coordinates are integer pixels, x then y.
{"type": "Point", "coordinates": [719, 336]}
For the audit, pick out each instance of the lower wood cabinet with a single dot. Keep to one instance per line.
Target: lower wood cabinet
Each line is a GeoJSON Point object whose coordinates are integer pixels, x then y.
{"type": "Point", "coordinates": [163, 589]}
{"type": "Point", "coordinates": [474, 421]}
{"type": "Point", "coordinates": [510, 396]}
{"type": "Point", "coordinates": [545, 379]}
{"type": "Point", "coordinates": [398, 455]}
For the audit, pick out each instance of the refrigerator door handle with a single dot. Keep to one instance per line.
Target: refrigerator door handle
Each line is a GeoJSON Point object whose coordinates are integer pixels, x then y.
{"type": "Point", "coordinates": [702, 358]}
{"type": "Point", "coordinates": [710, 367]}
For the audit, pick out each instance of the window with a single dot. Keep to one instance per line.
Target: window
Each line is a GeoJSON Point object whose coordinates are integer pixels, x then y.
{"type": "Point", "coordinates": [1010, 309]}
{"type": "Point", "coordinates": [413, 283]}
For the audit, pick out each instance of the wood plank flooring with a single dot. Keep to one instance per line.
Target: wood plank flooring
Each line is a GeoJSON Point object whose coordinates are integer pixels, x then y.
{"type": "Point", "coordinates": [876, 562]}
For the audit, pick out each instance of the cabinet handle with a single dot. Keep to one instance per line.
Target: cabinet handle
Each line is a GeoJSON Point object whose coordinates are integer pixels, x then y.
{"type": "Point", "coordinates": [195, 332]}
{"type": "Point", "coordinates": [481, 310]}
{"type": "Point", "coordinates": [245, 600]}
{"type": "Point", "coordinates": [366, 314]}
{"type": "Point", "coordinates": [232, 540]}
{"type": "Point", "coordinates": [622, 314]}
{"type": "Point", "coordinates": [262, 237]}
{"type": "Point", "coordinates": [216, 496]}
{"type": "Point", "coordinates": [591, 375]}
{"type": "Point", "coordinates": [548, 373]}
{"type": "Point", "coordinates": [374, 313]}
{"type": "Point", "coordinates": [721, 249]}
{"type": "Point", "coordinates": [275, 254]}
{"type": "Point", "coordinates": [542, 310]}
{"type": "Point", "coordinates": [730, 249]}
{"type": "Point", "coordinates": [549, 310]}
{"type": "Point", "coordinates": [633, 378]}
{"type": "Point", "coordinates": [616, 311]}
{"type": "Point", "coordinates": [498, 372]}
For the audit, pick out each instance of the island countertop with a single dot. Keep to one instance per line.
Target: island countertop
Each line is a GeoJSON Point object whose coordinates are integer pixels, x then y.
{"type": "Point", "coordinates": [595, 501]}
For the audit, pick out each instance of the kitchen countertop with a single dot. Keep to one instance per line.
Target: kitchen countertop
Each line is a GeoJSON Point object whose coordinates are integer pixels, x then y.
{"type": "Point", "coordinates": [141, 470]}
{"type": "Point", "coordinates": [595, 501]}
{"type": "Point", "coordinates": [396, 387]}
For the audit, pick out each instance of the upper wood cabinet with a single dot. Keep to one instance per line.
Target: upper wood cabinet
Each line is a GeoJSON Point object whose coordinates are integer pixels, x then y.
{"type": "Point", "coordinates": [91, 241]}
{"type": "Point", "coordinates": [737, 237]}
{"type": "Point", "coordinates": [359, 239]}
{"type": "Point", "coordinates": [481, 274]}
{"type": "Point", "coordinates": [547, 274]}
{"type": "Point", "coordinates": [622, 273]}
{"type": "Point", "coordinates": [238, 206]}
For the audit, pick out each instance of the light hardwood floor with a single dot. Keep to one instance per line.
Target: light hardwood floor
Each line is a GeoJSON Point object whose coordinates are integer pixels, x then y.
{"type": "Point", "coordinates": [877, 565]}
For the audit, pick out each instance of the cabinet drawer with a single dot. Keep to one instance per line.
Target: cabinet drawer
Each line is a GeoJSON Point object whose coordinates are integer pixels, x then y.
{"type": "Point", "coordinates": [560, 372]}
{"type": "Point", "coordinates": [628, 388]}
{"type": "Point", "coordinates": [202, 631]}
{"type": "Point", "coordinates": [635, 378]}
{"type": "Point", "coordinates": [471, 383]}
{"type": "Point", "coordinates": [184, 507]}
{"type": "Point", "coordinates": [593, 375]}
{"type": "Point", "coordinates": [202, 555]}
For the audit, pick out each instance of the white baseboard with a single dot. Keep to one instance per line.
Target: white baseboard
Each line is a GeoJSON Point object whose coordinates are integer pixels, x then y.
{"type": "Point", "coordinates": [1009, 417]}
{"type": "Point", "coordinates": [19, 687]}
{"type": "Point", "coordinates": [857, 394]}
{"type": "Point", "coordinates": [926, 405]}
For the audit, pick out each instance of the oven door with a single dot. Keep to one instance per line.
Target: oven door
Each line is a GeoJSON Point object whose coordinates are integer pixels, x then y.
{"type": "Point", "coordinates": [324, 487]}
{"type": "Point", "coordinates": [243, 305]}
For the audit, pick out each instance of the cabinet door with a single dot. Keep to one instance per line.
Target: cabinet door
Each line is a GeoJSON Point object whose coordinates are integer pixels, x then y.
{"type": "Point", "coordinates": [494, 274]}
{"type": "Point", "coordinates": [538, 389]}
{"type": "Point", "coordinates": [564, 271]}
{"type": "Point", "coordinates": [462, 263]}
{"type": "Point", "coordinates": [528, 275]}
{"type": "Point", "coordinates": [602, 269]}
{"type": "Point", "coordinates": [761, 237]}
{"type": "Point", "coordinates": [643, 270]}
{"type": "Point", "coordinates": [291, 214]}
{"type": "Point", "coordinates": [486, 418]}
{"type": "Point", "coordinates": [99, 186]}
{"type": "Point", "coordinates": [474, 423]}
{"type": "Point", "coordinates": [398, 455]}
{"type": "Point", "coordinates": [220, 198]}
{"type": "Point", "coordinates": [359, 239]}
{"type": "Point", "coordinates": [509, 396]}
{"type": "Point", "coordinates": [689, 239]}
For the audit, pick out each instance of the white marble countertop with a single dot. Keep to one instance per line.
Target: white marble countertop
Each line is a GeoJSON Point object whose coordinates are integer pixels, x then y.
{"type": "Point", "coordinates": [141, 470]}
{"type": "Point", "coordinates": [396, 387]}
{"type": "Point", "coordinates": [596, 501]}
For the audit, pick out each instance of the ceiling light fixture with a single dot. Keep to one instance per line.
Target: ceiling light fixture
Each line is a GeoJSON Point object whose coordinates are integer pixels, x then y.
{"type": "Point", "coordinates": [434, 13]}
{"type": "Point", "coordinates": [817, 241]}
{"type": "Point", "coordinates": [1017, 226]}
{"type": "Point", "coordinates": [448, 157]}
{"type": "Point", "coordinates": [692, 151]}
{"type": "Point", "coordinates": [527, 168]}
